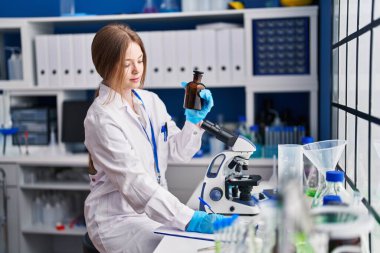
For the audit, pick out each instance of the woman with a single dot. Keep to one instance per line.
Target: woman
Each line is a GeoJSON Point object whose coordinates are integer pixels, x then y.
{"type": "Point", "coordinates": [130, 137]}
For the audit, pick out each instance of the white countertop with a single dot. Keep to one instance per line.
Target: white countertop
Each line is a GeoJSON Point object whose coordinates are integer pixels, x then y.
{"type": "Point", "coordinates": [57, 157]}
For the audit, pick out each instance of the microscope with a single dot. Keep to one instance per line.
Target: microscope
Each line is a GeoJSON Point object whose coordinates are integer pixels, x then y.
{"type": "Point", "coordinates": [225, 188]}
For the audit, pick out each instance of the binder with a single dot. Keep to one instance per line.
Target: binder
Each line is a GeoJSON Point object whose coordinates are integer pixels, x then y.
{"type": "Point", "coordinates": [183, 67]}
{"type": "Point", "coordinates": [92, 77]}
{"type": "Point", "coordinates": [67, 63]}
{"type": "Point", "coordinates": [145, 39]}
{"type": "Point", "coordinates": [42, 60]}
{"type": "Point", "coordinates": [223, 56]}
{"type": "Point", "coordinates": [196, 50]}
{"type": "Point", "coordinates": [170, 57]}
{"type": "Point", "coordinates": [209, 53]}
{"type": "Point", "coordinates": [79, 61]}
{"type": "Point", "coordinates": [238, 56]}
{"type": "Point", "coordinates": [54, 61]}
{"type": "Point", "coordinates": [156, 58]}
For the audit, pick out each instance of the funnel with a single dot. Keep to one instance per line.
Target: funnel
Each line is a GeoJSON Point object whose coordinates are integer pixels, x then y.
{"type": "Point", "coordinates": [325, 156]}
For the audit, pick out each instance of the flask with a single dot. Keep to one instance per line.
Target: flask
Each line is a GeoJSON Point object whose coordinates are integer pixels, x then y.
{"type": "Point", "coordinates": [192, 98]}
{"type": "Point", "coordinates": [311, 173]}
{"type": "Point", "coordinates": [334, 186]}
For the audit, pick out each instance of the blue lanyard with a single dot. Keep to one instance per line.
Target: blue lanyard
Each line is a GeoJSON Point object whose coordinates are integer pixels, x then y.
{"type": "Point", "coordinates": [153, 141]}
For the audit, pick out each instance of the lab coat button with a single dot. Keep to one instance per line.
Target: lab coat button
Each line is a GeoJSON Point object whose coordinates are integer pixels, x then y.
{"type": "Point", "coordinates": [195, 133]}
{"type": "Point", "coordinates": [93, 179]}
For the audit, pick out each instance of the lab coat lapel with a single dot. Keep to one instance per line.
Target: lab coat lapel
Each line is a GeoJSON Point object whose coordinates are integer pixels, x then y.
{"type": "Point", "coordinates": [137, 138]}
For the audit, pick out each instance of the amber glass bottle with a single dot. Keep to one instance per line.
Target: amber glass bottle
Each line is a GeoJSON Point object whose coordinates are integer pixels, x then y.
{"type": "Point", "coordinates": [192, 98]}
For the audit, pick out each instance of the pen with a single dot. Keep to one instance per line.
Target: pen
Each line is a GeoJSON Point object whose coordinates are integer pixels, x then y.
{"type": "Point", "coordinates": [166, 132]}
{"type": "Point", "coordinates": [205, 203]}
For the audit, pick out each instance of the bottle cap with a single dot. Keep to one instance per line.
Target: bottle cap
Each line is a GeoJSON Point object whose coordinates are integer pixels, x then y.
{"type": "Point", "coordinates": [307, 140]}
{"type": "Point", "coordinates": [334, 176]}
{"type": "Point", "coordinates": [331, 199]}
{"type": "Point", "coordinates": [254, 128]}
{"type": "Point", "coordinates": [242, 119]}
{"type": "Point", "coordinates": [197, 72]}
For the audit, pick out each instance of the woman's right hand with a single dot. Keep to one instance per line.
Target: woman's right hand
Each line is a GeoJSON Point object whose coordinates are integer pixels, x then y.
{"type": "Point", "coordinates": [202, 222]}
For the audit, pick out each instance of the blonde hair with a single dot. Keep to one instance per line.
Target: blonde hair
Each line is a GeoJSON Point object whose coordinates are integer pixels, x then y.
{"type": "Point", "coordinates": [108, 51]}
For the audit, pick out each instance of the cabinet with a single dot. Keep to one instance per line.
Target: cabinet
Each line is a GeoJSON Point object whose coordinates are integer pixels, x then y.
{"type": "Point", "coordinates": [57, 179]}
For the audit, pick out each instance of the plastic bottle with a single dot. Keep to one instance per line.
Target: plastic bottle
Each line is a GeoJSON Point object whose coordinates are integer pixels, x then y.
{"type": "Point", "coordinates": [67, 7]}
{"type": "Point", "coordinates": [242, 128]}
{"type": "Point", "coordinates": [149, 7]}
{"type": "Point", "coordinates": [49, 216]}
{"type": "Point", "coordinates": [330, 200]}
{"type": "Point", "coordinates": [169, 6]}
{"type": "Point", "coordinates": [256, 139]}
{"type": "Point", "coordinates": [192, 98]}
{"type": "Point", "coordinates": [14, 64]}
{"type": "Point", "coordinates": [37, 209]}
{"type": "Point", "coordinates": [334, 186]}
{"type": "Point", "coordinates": [301, 134]}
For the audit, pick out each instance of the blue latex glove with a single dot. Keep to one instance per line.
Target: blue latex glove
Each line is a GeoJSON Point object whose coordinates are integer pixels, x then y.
{"type": "Point", "coordinates": [202, 222]}
{"type": "Point", "coordinates": [195, 116]}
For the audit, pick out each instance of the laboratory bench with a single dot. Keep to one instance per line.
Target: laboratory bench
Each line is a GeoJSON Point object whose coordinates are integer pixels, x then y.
{"type": "Point", "coordinates": [30, 176]}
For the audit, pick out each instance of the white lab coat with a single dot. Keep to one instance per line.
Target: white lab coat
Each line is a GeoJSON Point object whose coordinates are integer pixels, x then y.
{"type": "Point", "coordinates": [126, 203]}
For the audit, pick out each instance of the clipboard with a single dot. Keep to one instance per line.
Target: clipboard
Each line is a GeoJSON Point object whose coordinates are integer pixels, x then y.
{"type": "Point", "coordinates": [169, 231]}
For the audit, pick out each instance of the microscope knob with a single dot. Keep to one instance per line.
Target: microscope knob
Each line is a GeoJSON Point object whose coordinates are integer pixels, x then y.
{"type": "Point", "coordinates": [216, 194]}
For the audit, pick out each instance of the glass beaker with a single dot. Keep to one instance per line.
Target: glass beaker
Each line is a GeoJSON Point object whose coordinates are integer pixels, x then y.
{"type": "Point", "coordinates": [290, 164]}
{"type": "Point", "coordinates": [325, 156]}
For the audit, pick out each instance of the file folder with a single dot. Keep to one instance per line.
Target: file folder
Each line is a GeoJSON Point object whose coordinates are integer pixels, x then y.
{"type": "Point", "coordinates": [224, 56]}
{"type": "Point", "coordinates": [79, 60]}
{"type": "Point", "coordinates": [156, 58]}
{"type": "Point", "coordinates": [67, 63]}
{"type": "Point", "coordinates": [42, 60]}
{"type": "Point", "coordinates": [238, 56]}
{"type": "Point", "coordinates": [92, 77]}
{"type": "Point", "coordinates": [209, 53]}
{"type": "Point", "coordinates": [54, 61]}
{"type": "Point", "coordinates": [183, 68]}
{"type": "Point", "coordinates": [145, 39]}
{"type": "Point", "coordinates": [196, 45]}
{"type": "Point", "coordinates": [170, 57]}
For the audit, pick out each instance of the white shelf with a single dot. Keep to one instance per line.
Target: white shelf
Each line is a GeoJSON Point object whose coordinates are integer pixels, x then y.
{"type": "Point", "coordinates": [146, 16]}
{"type": "Point", "coordinates": [17, 86]}
{"type": "Point", "coordinates": [43, 158]}
{"type": "Point", "coordinates": [53, 231]}
{"type": "Point", "coordinates": [68, 186]}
